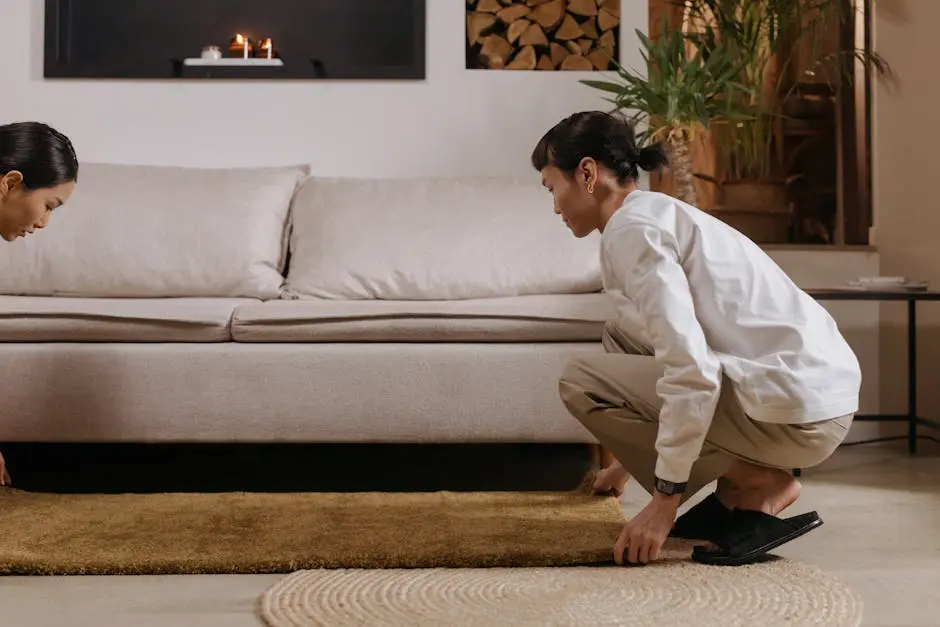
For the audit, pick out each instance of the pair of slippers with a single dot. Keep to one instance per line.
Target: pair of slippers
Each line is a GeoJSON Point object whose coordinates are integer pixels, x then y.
{"type": "Point", "coordinates": [741, 536]}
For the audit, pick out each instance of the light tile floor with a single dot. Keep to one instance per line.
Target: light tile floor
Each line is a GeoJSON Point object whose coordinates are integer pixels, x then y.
{"type": "Point", "coordinates": [882, 536]}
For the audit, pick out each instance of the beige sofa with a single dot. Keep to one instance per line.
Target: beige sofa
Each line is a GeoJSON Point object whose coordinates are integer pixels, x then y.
{"type": "Point", "coordinates": [269, 305]}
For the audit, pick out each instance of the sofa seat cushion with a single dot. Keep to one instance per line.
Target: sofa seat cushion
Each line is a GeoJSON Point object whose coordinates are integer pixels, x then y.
{"type": "Point", "coordinates": [57, 319]}
{"type": "Point", "coordinates": [548, 318]}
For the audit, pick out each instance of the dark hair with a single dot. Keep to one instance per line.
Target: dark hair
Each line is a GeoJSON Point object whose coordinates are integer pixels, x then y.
{"type": "Point", "coordinates": [42, 154]}
{"type": "Point", "coordinates": [608, 139]}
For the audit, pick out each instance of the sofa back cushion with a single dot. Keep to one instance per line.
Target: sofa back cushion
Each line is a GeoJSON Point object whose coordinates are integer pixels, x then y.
{"type": "Point", "coordinates": [434, 239]}
{"type": "Point", "coordinates": [148, 231]}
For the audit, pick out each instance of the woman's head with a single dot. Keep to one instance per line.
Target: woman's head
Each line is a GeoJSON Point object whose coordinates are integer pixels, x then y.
{"type": "Point", "coordinates": [38, 171]}
{"type": "Point", "coordinates": [588, 161]}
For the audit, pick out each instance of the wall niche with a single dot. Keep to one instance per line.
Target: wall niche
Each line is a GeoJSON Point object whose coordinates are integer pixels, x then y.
{"type": "Point", "coordinates": [542, 34]}
{"type": "Point", "coordinates": [286, 39]}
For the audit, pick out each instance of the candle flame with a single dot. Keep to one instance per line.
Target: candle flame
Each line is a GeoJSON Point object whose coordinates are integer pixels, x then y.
{"type": "Point", "coordinates": [239, 38]}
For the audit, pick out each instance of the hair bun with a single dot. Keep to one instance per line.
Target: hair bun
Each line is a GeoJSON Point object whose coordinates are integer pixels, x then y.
{"type": "Point", "coordinates": [652, 157]}
{"type": "Point", "coordinates": [626, 169]}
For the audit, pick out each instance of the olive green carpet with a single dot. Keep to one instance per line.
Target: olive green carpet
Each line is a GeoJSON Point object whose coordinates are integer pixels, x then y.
{"type": "Point", "coordinates": [191, 533]}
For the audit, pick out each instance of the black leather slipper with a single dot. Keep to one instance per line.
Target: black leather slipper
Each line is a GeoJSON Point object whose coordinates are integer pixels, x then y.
{"type": "Point", "coordinates": [707, 520]}
{"type": "Point", "coordinates": [751, 534]}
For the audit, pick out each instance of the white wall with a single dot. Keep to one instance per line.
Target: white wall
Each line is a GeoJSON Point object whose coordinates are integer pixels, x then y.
{"type": "Point", "coordinates": [457, 121]}
{"type": "Point", "coordinates": [906, 129]}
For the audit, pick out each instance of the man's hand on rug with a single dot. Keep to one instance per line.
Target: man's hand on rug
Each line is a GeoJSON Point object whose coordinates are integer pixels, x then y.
{"type": "Point", "coordinates": [643, 537]}
{"type": "Point", "coordinates": [4, 475]}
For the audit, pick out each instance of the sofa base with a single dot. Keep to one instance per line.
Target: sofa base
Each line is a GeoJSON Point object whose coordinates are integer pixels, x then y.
{"type": "Point", "coordinates": [121, 467]}
{"type": "Point", "coordinates": [318, 393]}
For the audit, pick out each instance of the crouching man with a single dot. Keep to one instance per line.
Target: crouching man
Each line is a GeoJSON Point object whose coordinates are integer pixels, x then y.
{"type": "Point", "coordinates": [718, 366]}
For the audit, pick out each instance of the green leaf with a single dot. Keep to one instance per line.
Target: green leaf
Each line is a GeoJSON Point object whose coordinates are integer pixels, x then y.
{"type": "Point", "coordinates": [604, 86]}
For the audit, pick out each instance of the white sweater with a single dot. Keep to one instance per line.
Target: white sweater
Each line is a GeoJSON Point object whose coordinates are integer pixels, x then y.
{"type": "Point", "coordinates": [709, 301]}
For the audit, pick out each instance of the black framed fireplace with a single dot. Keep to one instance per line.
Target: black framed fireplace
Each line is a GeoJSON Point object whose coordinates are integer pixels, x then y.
{"type": "Point", "coordinates": [279, 39]}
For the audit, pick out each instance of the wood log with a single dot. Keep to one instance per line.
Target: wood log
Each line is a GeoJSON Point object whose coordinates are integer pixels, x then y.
{"type": "Point", "coordinates": [611, 6]}
{"type": "Point", "coordinates": [607, 20]}
{"type": "Point", "coordinates": [569, 29]}
{"type": "Point", "coordinates": [534, 36]}
{"type": "Point", "coordinates": [550, 14]}
{"type": "Point", "coordinates": [576, 62]}
{"type": "Point", "coordinates": [517, 29]}
{"type": "Point", "coordinates": [525, 60]}
{"type": "Point", "coordinates": [558, 53]}
{"type": "Point", "coordinates": [599, 59]}
{"type": "Point", "coordinates": [478, 24]}
{"type": "Point", "coordinates": [589, 26]}
{"type": "Point", "coordinates": [542, 34]}
{"type": "Point", "coordinates": [512, 13]}
{"type": "Point", "coordinates": [586, 8]}
{"type": "Point", "coordinates": [607, 43]}
{"type": "Point", "coordinates": [495, 52]}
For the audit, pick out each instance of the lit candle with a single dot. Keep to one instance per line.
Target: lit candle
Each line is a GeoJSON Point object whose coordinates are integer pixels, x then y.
{"type": "Point", "coordinates": [265, 48]}
{"type": "Point", "coordinates": [240, 46]}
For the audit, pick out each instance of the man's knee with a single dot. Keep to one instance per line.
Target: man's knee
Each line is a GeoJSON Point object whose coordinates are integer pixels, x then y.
{"type": "Point", "coordinates": [584, 386]}
{"type": "Point", "coordinates": [574, 377]}
{"type": "Point", "coordinates": [574, 385]}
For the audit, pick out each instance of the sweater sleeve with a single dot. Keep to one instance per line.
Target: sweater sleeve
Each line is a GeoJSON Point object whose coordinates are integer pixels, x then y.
{"type": "Point", "coordinates": [647, 261]}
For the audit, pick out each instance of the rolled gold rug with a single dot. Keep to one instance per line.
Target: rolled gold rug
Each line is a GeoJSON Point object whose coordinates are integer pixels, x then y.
{"type": "Point", "coordinates": [53, 534]}
{"type": "Point", "coordinates": [776, 593]}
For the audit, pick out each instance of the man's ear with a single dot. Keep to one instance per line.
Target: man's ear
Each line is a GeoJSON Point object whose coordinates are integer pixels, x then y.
{"type": "Point", "coordinates": [587, 171]}
{"type": "Point", "coordinates": [11, 181]}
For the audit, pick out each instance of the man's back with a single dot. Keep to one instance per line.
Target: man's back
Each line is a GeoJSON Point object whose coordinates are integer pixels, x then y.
{"type": "Point", "coordinates": [780, 347]}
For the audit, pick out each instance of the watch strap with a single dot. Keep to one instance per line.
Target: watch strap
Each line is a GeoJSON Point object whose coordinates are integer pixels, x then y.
{"type": "Point", "coordinates": [670, 487]}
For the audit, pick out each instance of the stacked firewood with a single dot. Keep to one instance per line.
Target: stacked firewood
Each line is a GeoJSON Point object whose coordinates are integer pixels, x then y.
{"type": "Point", "coordinates": [542, 34]}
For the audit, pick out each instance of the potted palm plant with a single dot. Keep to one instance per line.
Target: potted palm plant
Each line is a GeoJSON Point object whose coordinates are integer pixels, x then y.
{"type": "Point", "coordinates": [683, 90]}
{"type": "Point", "coordinates": [772, 37]}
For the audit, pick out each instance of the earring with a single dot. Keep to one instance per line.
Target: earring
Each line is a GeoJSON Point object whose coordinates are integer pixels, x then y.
{"type": "Point", "coordinates": [590, 189]}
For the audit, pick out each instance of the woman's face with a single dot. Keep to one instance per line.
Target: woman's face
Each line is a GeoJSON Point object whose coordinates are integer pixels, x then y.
{"type": "Point", "coordinates": [574, 198]}
{"type": "Point", "coordinates": [23, 210]}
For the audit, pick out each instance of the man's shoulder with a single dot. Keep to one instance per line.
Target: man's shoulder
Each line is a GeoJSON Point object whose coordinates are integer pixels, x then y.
{"type": "Point", "coordinates": [643, 211]}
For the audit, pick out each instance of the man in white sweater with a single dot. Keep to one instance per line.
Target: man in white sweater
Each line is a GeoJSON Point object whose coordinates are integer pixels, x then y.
{"type": "Point", "coordinates": [718, 366]}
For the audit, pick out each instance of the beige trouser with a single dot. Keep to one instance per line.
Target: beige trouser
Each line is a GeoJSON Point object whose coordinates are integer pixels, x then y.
{"type": "Point", "coordinates": [613, 395]}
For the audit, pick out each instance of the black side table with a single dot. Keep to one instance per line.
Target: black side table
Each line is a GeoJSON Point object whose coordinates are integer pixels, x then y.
{"type": "Point", "coordinates": [911, 297]}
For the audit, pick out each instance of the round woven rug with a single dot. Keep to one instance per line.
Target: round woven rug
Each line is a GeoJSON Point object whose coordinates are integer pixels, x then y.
{"type": "Point", "coordinates": [780, 592]}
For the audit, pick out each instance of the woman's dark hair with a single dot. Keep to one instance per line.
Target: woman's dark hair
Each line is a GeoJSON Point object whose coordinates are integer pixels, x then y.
{"type": "Point", "coordinates": [608, 139]}
{"type": "Point", "coordinates": [42, 154]}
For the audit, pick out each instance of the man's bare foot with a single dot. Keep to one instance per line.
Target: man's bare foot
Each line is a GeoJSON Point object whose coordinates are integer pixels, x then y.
{"type": "Point", "coordinates": [769, 490]}
{"type": "Point", "coordinates": [4, 475]}
{"type": "Point", "coordinates": [612, 479]}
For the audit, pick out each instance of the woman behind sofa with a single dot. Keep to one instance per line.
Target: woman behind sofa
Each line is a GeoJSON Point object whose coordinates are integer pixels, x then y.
{"type": "Point", "coordinates": [38, 172]}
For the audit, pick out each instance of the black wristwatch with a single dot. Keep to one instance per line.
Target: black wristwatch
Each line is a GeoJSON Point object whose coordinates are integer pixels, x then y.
{"type": "Point", "coordinates": [670, 487]}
